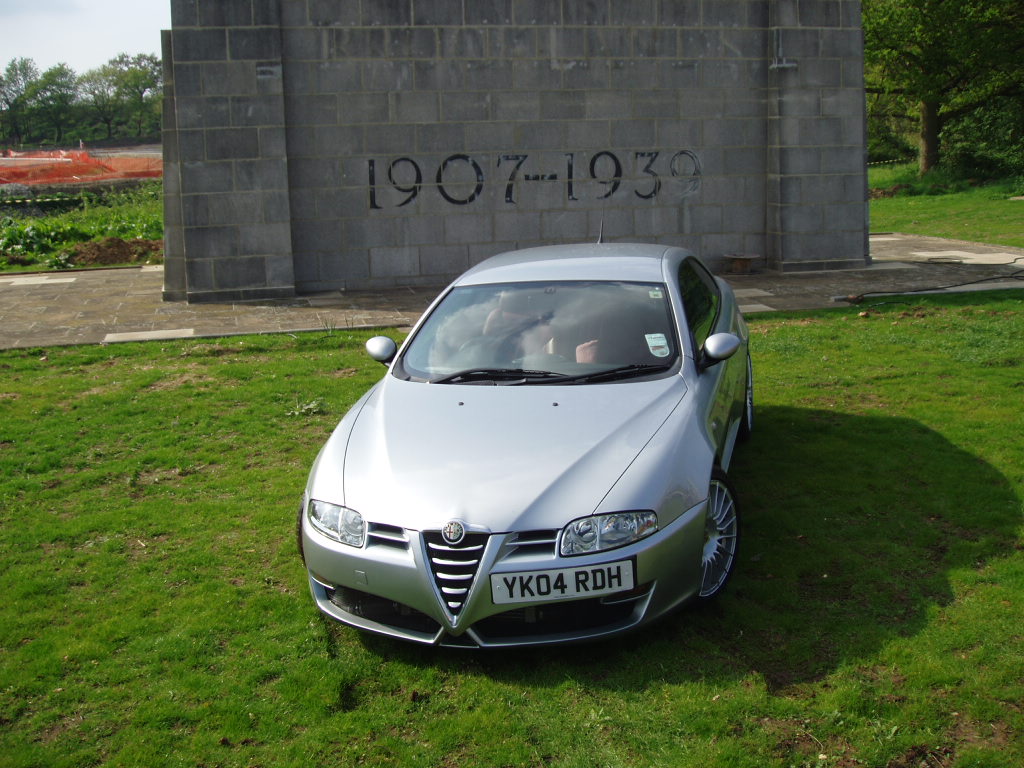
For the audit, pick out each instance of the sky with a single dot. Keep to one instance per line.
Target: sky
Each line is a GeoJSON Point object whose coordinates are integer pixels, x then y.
{"type": "Point", "coordinates": [84, 34]}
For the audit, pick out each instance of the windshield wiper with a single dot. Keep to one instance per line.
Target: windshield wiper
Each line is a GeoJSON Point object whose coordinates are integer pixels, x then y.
{"type": "Point", "coordinates": [495, 374]}
{"type": "Point", "coordinates": [620, 372]}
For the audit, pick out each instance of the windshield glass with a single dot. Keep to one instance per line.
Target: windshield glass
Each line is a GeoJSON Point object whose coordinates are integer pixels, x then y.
{"type": "Point", "coordinates": [544, 332]}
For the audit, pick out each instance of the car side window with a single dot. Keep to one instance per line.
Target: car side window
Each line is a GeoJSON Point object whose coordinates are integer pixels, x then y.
{"type": "Point", "coordinates": [701, 300]}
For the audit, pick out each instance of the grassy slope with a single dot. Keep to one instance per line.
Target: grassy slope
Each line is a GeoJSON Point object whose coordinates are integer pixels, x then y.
{"type": "Point", "coordinates": [156, 613]}
{"type": "Point", "coordinates": [947, 208]}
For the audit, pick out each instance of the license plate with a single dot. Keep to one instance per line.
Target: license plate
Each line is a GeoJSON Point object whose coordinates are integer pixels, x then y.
{"type": "Point", "coordinates": [561, 583]}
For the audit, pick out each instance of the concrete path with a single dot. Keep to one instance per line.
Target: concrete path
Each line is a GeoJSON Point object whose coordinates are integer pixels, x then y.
{"type": "Point", "coordinates": [113, 305]}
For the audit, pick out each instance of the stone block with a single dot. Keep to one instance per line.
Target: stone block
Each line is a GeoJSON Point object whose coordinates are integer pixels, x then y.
{"type": "Point", "coordinates": [463, 43]}
{"type": "Point", "coordinates": [265, 239]}
{"type": "Point", "coordinates": [256, 110]}
{"type": "Point", "coordinates": [656, 222]}
{"type": "Point", "coordinates": [237, 208]}
{"type": "Point", "coordinates": [536, 75]}
{"type": "Point", "coordinates": [254, 44]}
{"type": "Point", "coordinates": [335, 141]}
{"type": "Point", "coordinates": [328, 77]}
{"type": "Point", "coordinates": [240, 272]}
{"type": "Point", "coordinates": [200, 45]}
{"type": "Point", "coordinates": [484, 75]}
{"type": "Point", "coordinates": [585, 13]}
{"type": "Point", "coordinates": [412, 43]}
{"type": "Point", "coordinates": [384, 13]}
{"type": "Point", "coordinates": [639, 134]}
{"type": "Point", "coordinates": [203, 112]}
{"type": "Point", "coordinates": [655, 43]}
{"type": "Point", "coordinates": [820, 13]}
{"type": "Point", "coordinates": [385, 75]}
{"type": "Point", "coordinates": [232, 144]}
{"type": "Point", "coordinates": [184, 13]}
{"type": "Point", "coordinates": [468, 228]}
{"type": "Point", "coordinates": [394, 262]}
{"type": "Point", "coordinates": [313, 109]}
{"type": "Point", "coordinates": [363, 108]}
{"type": "Point", "coordinates": [536, 12]}
{"type": "Point", "coordinates": [415, 107]}
{"type": "Point", "coordinates": [200, 177]}
{"type": "Point", "coordinates": [672, 13]}
{"type": "Point", "coordinates": [629, 74]}
{"type": "Point", "coordinates": [329, 13]}
{"type": "Point", "coordinates": [211, 242]}
{"type": "Point", "coordinates": [563, 42]}
{"type": "Point", "coordinates": [445, 261]}
{"type": "Point", "coordinates": [384, 139]}
{"type": "Point", "coordinates": [609, 42]}
{"type": "Point", "coordinates": [199, 274]}
{"type": "Point", "coordinates": [517, 43]}
{"type": "Point", "coordinates": [438, 13]}
{"type": "Point", "coordinates": [488, 12]}
{"type": "Point", "coordinates": [586, 74]}
{"type": "Point", "coordinates": [273, 141]}
{"type": "Point", "coordinates": [221, 13]}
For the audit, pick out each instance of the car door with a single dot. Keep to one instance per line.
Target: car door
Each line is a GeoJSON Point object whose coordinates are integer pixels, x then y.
{"type": "Point", "coordinates": [716, 388]}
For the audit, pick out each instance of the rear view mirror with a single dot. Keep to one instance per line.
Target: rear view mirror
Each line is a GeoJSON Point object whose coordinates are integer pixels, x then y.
{"type": "Point", "coordinates": [719, 347]}
{"type": "Point", "coordinates": [382, 349]}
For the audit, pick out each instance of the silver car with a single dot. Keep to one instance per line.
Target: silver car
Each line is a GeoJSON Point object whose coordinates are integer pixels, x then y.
{"type": "Point", "coordinates": [545, 459]}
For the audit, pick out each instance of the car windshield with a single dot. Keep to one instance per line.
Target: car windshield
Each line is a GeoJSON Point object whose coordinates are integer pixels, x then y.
{"type": "Point", "coordinates": [544, 333]}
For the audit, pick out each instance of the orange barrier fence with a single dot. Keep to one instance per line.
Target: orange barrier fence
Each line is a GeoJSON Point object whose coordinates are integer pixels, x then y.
{"type": "Point", "coordinates": [62, 167]}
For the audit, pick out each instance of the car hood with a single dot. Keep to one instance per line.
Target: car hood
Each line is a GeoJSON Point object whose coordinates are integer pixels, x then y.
{"type": "Point", "coordinates": [499, 458]}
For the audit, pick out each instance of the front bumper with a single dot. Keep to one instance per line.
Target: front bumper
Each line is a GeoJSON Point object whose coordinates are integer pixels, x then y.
{"type": "Point", "coordinates": [389, 587]}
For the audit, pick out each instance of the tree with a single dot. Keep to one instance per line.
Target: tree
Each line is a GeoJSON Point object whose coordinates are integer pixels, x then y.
{"type": "Point", "coordinates": [15, 96]}
{"type": "Point", "coordinates": [139, 82]}
{"type": "Point", "coordinates": [951, 57]}
{"type": "Point", "coordinates": [99, 89]}
{"type": "Point", "coordinates": [53, 96]}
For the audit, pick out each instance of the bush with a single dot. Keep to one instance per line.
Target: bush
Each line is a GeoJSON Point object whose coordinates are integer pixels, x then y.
{"type": "Point", "coordinates": [45, 241]}
{"type": "Point", "coordinates": [988, 143]}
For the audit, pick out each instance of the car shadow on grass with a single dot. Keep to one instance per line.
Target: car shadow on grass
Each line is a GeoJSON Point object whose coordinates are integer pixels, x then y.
{"type": "Point", "coordinates": [851, 526]}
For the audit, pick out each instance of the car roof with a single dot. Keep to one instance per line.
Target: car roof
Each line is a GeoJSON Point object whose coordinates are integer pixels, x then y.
{"type": "Point", "coordinates": [586, 261]}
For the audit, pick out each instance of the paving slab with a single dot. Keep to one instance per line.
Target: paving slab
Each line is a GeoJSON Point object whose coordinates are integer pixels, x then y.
{"type": "Point", "coordinates": [105, 306]}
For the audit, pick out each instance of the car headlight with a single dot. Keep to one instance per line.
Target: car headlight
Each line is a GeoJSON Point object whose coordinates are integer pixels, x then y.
{"type": "Point", "coordinates": [339, 523]}
{"type": "Point", "coordinates": [600, 532]}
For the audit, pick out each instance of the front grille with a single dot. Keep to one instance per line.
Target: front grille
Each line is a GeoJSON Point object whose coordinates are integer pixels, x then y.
{"type": "Point", "coordinates": [454, 566]}
{"type": "Point", "coordinates": [386, 535]}
{"type": "Point", "coordinates": [533, 543]}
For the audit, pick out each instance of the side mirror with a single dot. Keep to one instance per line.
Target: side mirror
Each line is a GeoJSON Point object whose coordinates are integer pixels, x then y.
{"type": "Point", "coordinates": [719, 347]}
{"type": "Point", "coordinates": [382, 349]}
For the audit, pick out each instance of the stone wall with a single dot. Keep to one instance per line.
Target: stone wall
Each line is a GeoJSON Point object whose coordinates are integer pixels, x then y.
{"type": "Point", "coordinates": [316, 145]}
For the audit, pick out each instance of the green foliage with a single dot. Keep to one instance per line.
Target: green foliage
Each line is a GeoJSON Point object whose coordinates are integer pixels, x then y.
{"type": "Point", "coordinates": [123, 97]}
{"type": "Point", "coordinates": [156, 612]}
{"type": "Point", "coordinates": [946, 70]}
{"type": "Point", "coordinates": [44, 240]}
{"type": "Point", "coordinates": [988, 142]}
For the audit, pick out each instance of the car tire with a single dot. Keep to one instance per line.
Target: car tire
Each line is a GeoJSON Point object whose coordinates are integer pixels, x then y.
{"type": "Point", "coordinates": [747, 420]}
{"type": "Point", "coordinates": [721, 536]}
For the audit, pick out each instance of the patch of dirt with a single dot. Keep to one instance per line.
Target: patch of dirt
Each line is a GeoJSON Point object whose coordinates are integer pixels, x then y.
{"type": "Point", "coordinates": [181, 380]}
{"type": "Point", "coordinates": [115, 250]}
{"type": "Point", "coordinates": [877, 193]}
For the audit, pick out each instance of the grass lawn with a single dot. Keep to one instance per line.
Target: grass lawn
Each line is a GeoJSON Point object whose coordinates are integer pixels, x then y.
{"type": "Point", "coordinates": [156, 613]}
{"type": "Point", "coordinates": [954, 209]}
